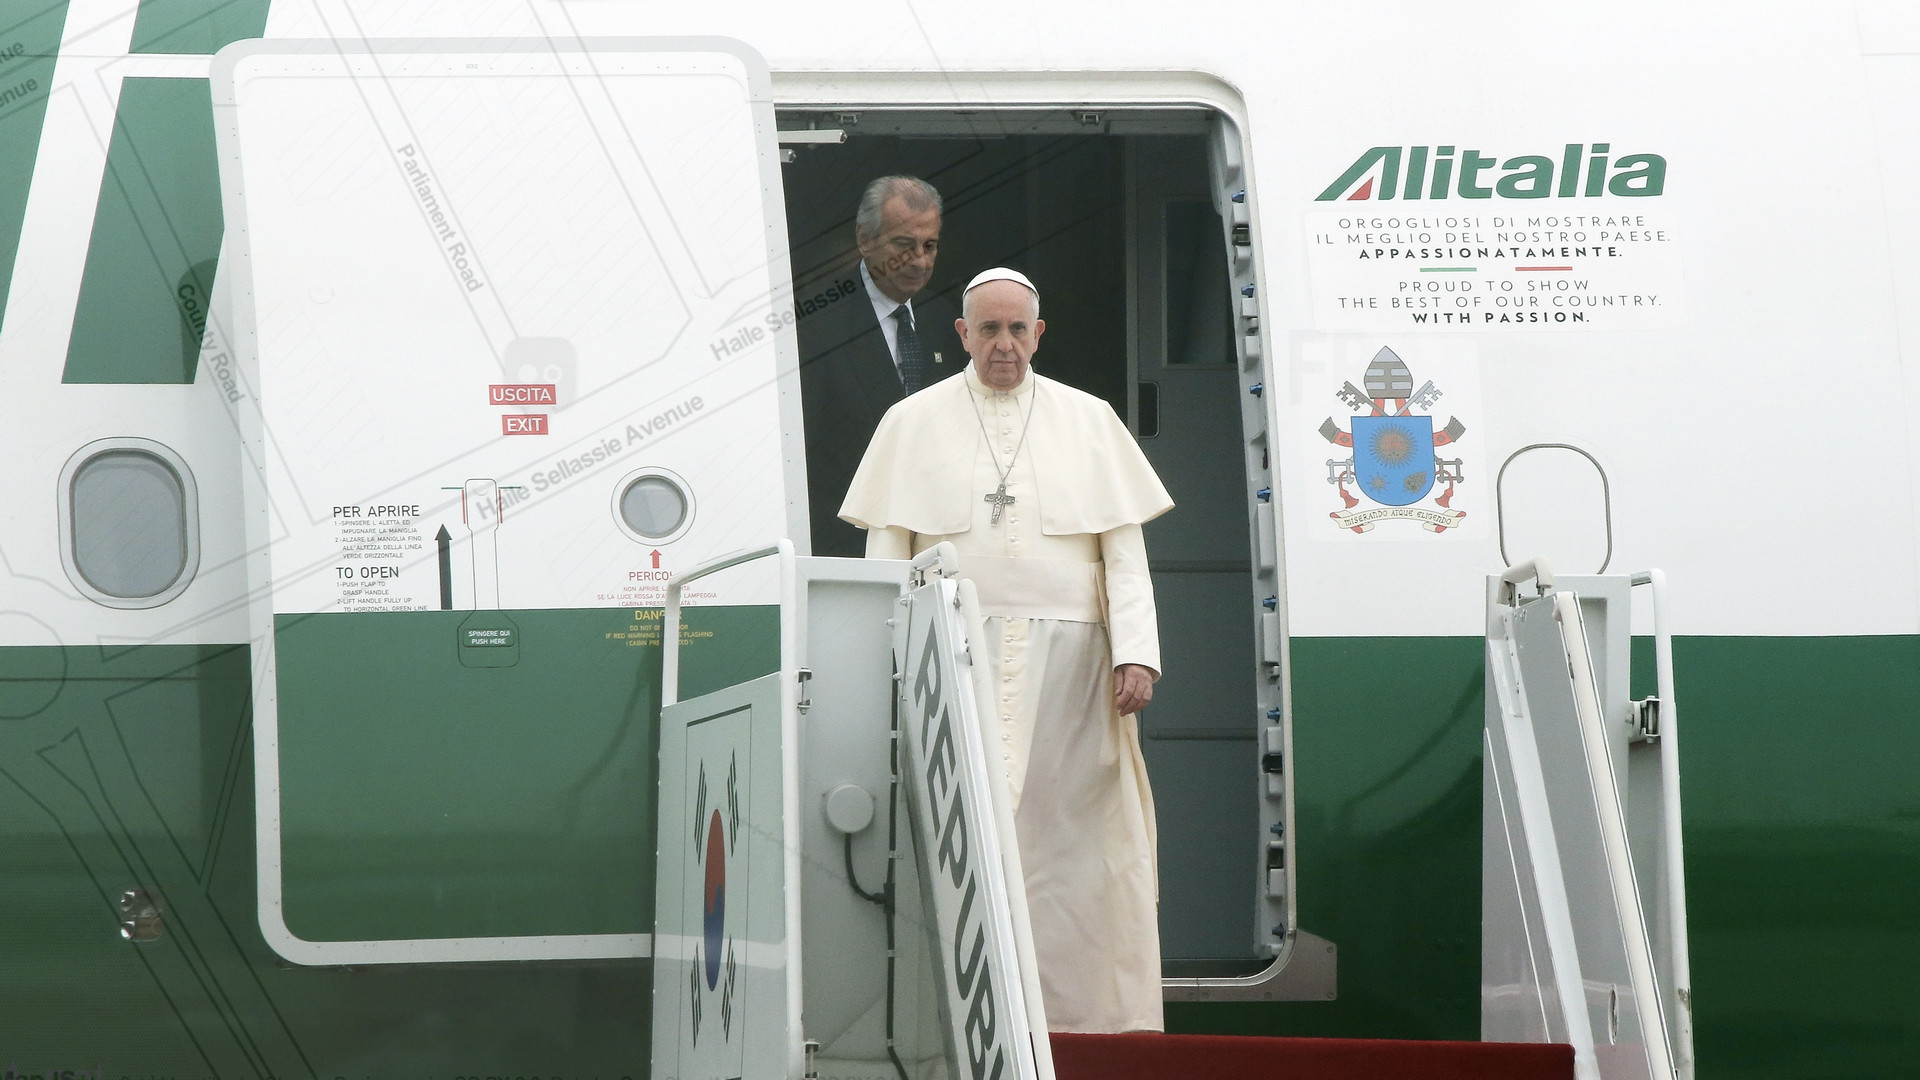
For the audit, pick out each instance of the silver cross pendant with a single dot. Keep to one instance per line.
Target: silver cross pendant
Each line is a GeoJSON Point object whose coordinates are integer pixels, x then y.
{"type": "Point", "coordinates": [1000, 500]}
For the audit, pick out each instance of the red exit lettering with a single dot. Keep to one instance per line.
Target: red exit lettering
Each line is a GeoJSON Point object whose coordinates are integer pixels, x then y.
{"type": "Point", "coordinates": [521, 394]}
{"type": "Point", "coordinates": [522, 424]}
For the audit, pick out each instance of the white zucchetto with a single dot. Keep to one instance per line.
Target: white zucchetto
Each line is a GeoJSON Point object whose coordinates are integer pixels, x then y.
{"type": "Point", "coordinates": [1000, 273]}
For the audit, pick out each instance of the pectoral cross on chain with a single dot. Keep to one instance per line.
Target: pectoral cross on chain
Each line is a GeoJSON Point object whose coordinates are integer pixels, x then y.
{"type": "Point", "coordinates": [1000, 500]}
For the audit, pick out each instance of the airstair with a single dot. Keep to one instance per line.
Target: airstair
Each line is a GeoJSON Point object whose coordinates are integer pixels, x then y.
{"type": "Point", "coordinates": [1583, 898]}
{"type": "Point", "coordinates": [833, 897]}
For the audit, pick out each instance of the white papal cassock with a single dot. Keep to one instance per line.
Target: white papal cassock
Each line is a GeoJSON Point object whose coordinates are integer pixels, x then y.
{"type": "Point", "coordinates": [1064, 589]}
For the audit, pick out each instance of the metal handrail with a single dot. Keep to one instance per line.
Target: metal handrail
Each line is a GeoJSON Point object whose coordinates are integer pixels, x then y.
{"type": "Point", "coordinates": [942, 558]}
{"type": "Point", "coordinates": [1535, 569]}
{"type": "Point", "coordinates": [1613, 833]}
{"type": "Point", "coordinates": [1678, 959]}
{"type": "Point", "coordinates": [670, 657]}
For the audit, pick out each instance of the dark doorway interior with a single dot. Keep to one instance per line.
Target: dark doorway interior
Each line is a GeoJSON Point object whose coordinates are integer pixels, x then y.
{"type": "Point", "coordinates": [1121, 235]}
{"type": "Point", "coordinates": [1053, 207]}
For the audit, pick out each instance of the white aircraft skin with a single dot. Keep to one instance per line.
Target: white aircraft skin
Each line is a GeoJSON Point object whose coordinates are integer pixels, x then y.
{"type": "Point", "coordinates": [1662, 411]}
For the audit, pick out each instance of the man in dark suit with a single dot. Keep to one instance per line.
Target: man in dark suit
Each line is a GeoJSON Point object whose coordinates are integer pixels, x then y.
{"type": "Point", "coordinates": [871, 346]}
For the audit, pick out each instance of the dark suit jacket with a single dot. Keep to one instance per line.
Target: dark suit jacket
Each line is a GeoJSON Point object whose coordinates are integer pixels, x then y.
{"type": "Point", "coordinates": [847, 383]}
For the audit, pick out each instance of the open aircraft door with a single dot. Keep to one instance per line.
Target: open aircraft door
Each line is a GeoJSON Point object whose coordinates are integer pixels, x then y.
{"type": "Point", "coordinates": [1584, 931]}
{"type": "Point", "coordinates": [1145, 176]}
{"type": "Point", "coordinates": [1219, 737]}
{"type": "Point", "coordinates": [514, 350]}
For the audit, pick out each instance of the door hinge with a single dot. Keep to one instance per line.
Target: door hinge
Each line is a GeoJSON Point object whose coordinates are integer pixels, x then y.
{"type": "Point", "coordinates": [1645, 718]}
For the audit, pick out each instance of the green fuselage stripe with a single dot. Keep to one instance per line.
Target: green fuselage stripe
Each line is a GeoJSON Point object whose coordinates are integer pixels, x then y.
{"type": "Point", "coordinates": [28, 49]}
{"type": "Point", "coordinates": [196, 27]}
{"type": "Point", "coordinates": [156, 240]}
{"type": "Point", "coordinates": [132, 766]}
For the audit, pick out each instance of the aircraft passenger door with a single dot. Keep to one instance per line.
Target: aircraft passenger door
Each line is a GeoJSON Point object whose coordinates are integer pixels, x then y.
{"type": "Point", "coordinates": [498, 399]}
{"type": "Point", "coordinates": [1200, 732]}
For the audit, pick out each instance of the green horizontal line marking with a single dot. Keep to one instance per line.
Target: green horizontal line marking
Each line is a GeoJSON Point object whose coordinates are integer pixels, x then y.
{"type": "Point", "coordinates": [1447, 269]}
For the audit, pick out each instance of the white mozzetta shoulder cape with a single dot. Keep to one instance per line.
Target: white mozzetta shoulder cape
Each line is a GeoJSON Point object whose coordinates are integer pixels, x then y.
{"type": "Point", "coordinates": [918, 473]}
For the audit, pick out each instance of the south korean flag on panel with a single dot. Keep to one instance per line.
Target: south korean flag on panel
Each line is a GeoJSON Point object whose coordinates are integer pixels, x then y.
{"type": "Point", "coordinates": [712, 1043]}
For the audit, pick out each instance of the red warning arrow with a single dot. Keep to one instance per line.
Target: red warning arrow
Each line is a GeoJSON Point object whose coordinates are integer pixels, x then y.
{"type": "Point", "coordinates": [656, 558]}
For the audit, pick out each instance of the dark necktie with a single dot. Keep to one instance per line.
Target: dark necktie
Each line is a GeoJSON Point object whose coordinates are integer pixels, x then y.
{"type": "Point", "coordinates": [914, 372]}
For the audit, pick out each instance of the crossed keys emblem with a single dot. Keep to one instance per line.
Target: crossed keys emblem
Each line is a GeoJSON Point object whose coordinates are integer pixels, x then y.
{"type": "Point", "coordinates": [1395, 463]}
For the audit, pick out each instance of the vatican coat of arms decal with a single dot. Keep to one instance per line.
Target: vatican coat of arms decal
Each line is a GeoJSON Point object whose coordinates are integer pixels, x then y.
{"type": "Point", "coordinates": [1396, 461]}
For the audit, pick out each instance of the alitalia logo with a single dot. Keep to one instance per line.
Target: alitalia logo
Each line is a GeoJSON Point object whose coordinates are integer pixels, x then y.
{"type": "Point", "coordinates": [1437, 172]}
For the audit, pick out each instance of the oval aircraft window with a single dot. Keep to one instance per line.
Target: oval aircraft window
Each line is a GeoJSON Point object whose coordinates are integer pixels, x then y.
{"type": "Point", "coordinates": [129, 523]}
{"type": "Point", "coordinates": [653, 506]}
{"type": "Point", "coordinates": [1553, 502]}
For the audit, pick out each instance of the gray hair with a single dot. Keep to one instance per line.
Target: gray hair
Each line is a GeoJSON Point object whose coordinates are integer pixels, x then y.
{"type": "Point", "coordinates": [919, 194]}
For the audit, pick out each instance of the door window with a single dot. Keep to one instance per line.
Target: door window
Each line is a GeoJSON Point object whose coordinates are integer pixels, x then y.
{"type": "Point", "coordinates": [129, 523]}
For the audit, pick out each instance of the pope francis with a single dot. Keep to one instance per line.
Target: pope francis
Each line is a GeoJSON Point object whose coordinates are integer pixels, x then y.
{"type": "Point", "coordinates": [1042, 491]}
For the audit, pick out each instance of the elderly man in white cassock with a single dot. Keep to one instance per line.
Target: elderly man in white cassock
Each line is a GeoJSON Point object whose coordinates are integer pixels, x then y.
{"type": "Point", "coordinates": [1042, 491]}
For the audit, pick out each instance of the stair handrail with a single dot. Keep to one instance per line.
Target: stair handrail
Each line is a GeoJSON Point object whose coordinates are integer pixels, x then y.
{"type": "Point", "coordinates": [670, 643]}
{"type": "Point", "coordinates": [1678, 959]}
{"type": "Point", "coordinates": [1534, 569]}
{"type": "Point", "coordinates": [1613, 836]}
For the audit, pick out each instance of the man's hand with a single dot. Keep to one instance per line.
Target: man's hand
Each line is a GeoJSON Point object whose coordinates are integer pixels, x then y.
{"type": "Point", "coordinates": [1132, 688]}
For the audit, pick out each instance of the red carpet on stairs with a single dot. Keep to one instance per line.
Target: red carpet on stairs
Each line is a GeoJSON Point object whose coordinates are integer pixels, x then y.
{"type": "Point", "coordinates": [1164, 1057]}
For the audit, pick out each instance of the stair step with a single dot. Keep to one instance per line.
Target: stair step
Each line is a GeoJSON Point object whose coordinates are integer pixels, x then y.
{"type": "Point", "coordinates": [1146, 1056]}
